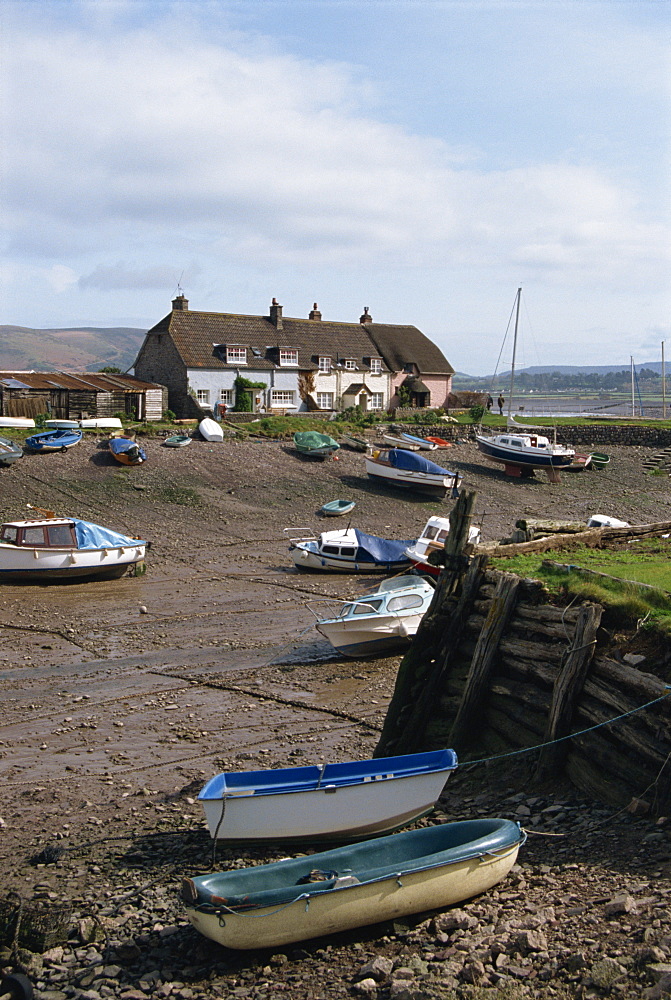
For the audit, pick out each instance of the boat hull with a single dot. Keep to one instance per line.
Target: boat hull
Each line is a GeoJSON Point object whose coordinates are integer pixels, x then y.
{"type": "Point", "coordinates": [210, 430]}
{"type": "Point", "coordinates": [177, 441]}
{"type": "Point", "coordinates": [428, 484]}
{"type": "Point", "coordinates": [306, 555]}
{"type": "Point", "coordinates": [54, 440]}
{"type": "Point", "coordinates": [426, 884]}
{"type": "Point", "coordinates": [386, 634]}
{"type": "Point", "coordinates": [513, 457]}
{"type": "Point", "coordinates": [10, 452]}
{"type": "Point", "coordinates": [336, 508]}
{"type": "Point", "coordinates": [35, 565]}
{"type": "Point", "coordinates": [22, 423]}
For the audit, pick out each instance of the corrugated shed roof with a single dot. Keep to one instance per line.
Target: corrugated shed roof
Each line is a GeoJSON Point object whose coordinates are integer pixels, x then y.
{"type": "Point", "coordinates": [76, 381]}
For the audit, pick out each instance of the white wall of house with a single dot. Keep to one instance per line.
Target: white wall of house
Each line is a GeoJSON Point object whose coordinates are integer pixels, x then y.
{"type": "Point", "coordinates": [281, 390]}
{"type": "Point", "coordinates": [333, 384]}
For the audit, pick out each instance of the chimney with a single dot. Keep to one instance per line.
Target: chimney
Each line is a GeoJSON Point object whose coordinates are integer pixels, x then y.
{"type": "Point", "coordinates": [180, 303]}
{"type": "Point", "coordinates": [276, 314]}
{"type": "Point", "coordinates": [315, 313]}
{"type": "Point", "coordinates": [366, 318]}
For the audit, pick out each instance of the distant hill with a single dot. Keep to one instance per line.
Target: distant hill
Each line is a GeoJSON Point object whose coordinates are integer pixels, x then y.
{"type": "Point", "coordinates": [655, 366]}
{"type": "Point", "coordinates": [86, 348]}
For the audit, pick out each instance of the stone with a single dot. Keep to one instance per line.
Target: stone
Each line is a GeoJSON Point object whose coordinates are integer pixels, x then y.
{"type": "Point", "coordinates": [606, 972]}
{"type": "Point", "coordinates": [531, 940]}
{"type": "Point", "coordinates": [619, 905]}
{"type": "Point", "coordinates": [366, 986]}
{"type": "Point", "coordinates": [660, 990]}
{"type": "Point", "coordinates": [378, 969]}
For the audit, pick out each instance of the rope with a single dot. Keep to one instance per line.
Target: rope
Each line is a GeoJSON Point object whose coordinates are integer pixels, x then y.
{"type": "Point", "coordinates": [581, 732]}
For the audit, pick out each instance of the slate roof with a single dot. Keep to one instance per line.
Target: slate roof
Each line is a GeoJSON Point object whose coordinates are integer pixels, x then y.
{"type": "Point", "coordinates": [200, 336]}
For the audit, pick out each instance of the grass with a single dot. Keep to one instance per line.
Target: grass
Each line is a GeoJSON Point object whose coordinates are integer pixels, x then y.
{"type": "Point", "coordinates": [646, 561]}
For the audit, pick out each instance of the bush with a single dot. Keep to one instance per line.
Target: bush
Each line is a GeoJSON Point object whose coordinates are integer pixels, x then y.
{"type": "Point", "coordinates": [169, 416]}
{"type": "Point", "coordinates": [476, 413]}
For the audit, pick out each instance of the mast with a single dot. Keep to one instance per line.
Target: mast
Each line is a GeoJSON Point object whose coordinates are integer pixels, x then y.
{"type": "Point", "coordinates": [512, 367]}
{"type": "Point", "coordinates": [633, 403]}
{"type": "Point", "coordinates": [663, 385]}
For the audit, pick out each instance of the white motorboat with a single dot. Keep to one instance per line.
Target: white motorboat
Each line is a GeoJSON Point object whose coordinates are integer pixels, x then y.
{"type": "Point", "coordinates": [398, 467]}
{"type": "Point", "coordinates": [18, 423]}
{"type": "Point", "coordinates": [432, 539]}
{"type": "Point", "coordinates": [348, 550]}
{"type": "Point", "coordinates": [338, 801]}
{"type": "Point", "coordinates": [378, 622]}
{"type": "Point", "coordinates": [210, 429]}
{"type": "Point", "coordinates": [64, 548]}
{"type": "Point", "coordinates": [605, 521]}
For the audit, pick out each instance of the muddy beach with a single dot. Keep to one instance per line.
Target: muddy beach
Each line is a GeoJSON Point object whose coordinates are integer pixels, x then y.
{"type": "Point", "coordinates": [118, 698]}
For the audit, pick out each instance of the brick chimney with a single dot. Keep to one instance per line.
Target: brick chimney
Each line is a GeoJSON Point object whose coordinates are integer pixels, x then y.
{"type": "Point", "coordinates": [276, 314]}
{"type": "Point", "coordinates": [366, 318]}
{"type": "Point", "coordinates": [315, 313]}
{"type": "Point", "coordinates": [180, 303]}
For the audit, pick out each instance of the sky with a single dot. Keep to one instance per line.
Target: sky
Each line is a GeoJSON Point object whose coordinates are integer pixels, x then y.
{"type": "Point", "coordinates": [424, 159]}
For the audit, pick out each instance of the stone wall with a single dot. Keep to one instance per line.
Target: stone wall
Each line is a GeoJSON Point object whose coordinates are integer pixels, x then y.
{"type": "Point", "coordinates": [588, 435]}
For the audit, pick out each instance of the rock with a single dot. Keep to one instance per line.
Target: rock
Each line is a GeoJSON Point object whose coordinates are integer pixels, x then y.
{"type": "Point", "coordinates": [619, 905]}
{"type": "Point", "coordinates": [660, 990]}
{"type": "Point", "coordinates": [366, 986]}
{"type": "Point", "coordinates": [606, 972]}
{"type": "Point", "coordinates": [378, 969]}
{"type": "Point", "coordinates": [531, 940]}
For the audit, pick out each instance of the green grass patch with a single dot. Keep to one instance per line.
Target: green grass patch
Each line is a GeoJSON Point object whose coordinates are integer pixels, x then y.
{"type": "Point", "coordinates": [647, 561]}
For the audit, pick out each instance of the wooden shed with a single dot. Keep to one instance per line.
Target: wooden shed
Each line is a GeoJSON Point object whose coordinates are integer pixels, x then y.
{"type": "Point", "coordinates": [77, 396]}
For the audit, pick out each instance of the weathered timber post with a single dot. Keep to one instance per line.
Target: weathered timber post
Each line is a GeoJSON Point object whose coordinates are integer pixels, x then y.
{"type": "Point", "coordinates": [424, 666]}
{"type": "Point", "coordinates": [484, 656]}
{"type": "Point", "coordinates": [567, 689]}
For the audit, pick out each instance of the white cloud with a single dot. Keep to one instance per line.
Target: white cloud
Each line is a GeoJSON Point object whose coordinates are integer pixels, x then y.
{"type": "Point", "coordinates": [61, 278]}
{"type": "Point", "coordinates": [123, 275]}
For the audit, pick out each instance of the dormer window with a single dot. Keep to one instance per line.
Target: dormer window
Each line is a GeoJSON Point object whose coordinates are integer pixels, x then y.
{"type": "Point", "coordinates": [325, 365]}
{"type": "Point", "coordinates": [288, 356]}
{"type": "Point", "coordinates": [350, 364]}
{"type": "Point", "coordinates": [375, 366]}
{"type": "Point", "coordinates": [236, 355]}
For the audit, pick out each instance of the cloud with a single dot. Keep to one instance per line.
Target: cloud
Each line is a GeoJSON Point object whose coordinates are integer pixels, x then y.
{"type": "Point", "coordinates": [122, 275]}
{"type": "Point", "coordinates": [61, 278]}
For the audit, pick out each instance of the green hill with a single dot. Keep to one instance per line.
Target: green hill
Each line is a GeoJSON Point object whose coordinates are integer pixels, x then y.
{"type": "Point", "coordinates": [85, 348]}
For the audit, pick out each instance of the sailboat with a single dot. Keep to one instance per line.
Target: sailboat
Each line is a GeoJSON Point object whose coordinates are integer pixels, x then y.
{"type": "Point", "coordinates": [520, 449]}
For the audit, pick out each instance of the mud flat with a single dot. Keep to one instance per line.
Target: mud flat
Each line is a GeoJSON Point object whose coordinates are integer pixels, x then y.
{"type": "Point", "coordinates": [118, 698]}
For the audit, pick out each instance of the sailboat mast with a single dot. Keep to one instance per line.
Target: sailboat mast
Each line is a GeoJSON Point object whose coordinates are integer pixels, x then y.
{"type": "Point", "coordinates": [633, 404]}
{"type": "Point", "coordinates": [512, 367]}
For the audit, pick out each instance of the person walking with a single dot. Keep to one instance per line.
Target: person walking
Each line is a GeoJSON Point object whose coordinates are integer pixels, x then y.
{"type": "Point", "coordinates": [500, 401]}
{"type": "Point", "coordinates": [490, 402]}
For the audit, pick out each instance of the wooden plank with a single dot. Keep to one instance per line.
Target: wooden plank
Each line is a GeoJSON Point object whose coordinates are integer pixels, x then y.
{"type": "Point", "coordinates": [483, 660]}
{"type": "Point", "coordinates": [567, 689]}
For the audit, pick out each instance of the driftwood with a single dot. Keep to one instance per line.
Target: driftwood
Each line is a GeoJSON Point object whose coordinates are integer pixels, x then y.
{"type": "Point", "coordinates": [592, 538]}
{"type": "Point", "coordinates": [567, 689]}
{"type": "Point", "coordinates": [486, 649]}
{"type": "Point", "coordinates": [549, 527]}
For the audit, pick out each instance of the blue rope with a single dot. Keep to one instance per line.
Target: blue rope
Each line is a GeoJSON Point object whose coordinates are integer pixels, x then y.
{"type": "Point", "coordinates": [539, 746]}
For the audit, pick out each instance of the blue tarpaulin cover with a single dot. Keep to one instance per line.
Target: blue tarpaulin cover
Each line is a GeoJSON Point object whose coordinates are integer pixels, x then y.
{"type": "Point", "coordinates": [93, 536]}
{"type": "Point", "coordinates": [412, 462]}
{"type": "Point", "coordinates": [380, 550]}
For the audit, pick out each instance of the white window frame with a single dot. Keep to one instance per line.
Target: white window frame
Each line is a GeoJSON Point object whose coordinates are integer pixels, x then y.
{"type": "Point", "coordinates": [325, 365]}
{"type": "Point", "coordinates": [376, 366]}
{"type": "Point", "coordinates": [203, 396]}
{"type": "Point", "coordinates": [288, 357]}
{"type": "Point", "coordinates": [328, 400]}
{"type": "Point", "coordinates": [282, 397]}
{"type": "Point", "coordinates": [373, 399]}
{"type": "Point", "coordinates": [350, 364]}
{"type": "Point", "coordinates": [236, 355]}
{"type": "Point", "coordinates": [226, 396]}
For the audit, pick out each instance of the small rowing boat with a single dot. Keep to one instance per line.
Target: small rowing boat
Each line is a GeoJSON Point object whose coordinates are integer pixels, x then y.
{"type": "Point", "coordinates": [438, 441]}
{"type": "Point", "coordinates": [18, 423]}
{"type": "Point", "coordinates": [177, 441]}
{"type": "Point", "coordinates": [54, 440]}
{"type": "Point", "coordinates": [340, 801]}
{"type": "Point", "coordinates": [210, 429]}
{"type": "Point", "coordinates": [355, 443]}
{"type": "Point", "coordinates": [400, 442]}
{"type": "Point", "coordinates": [308, 896]}
{"type": "Point", "coordinates": [398, 467]}
{"type": "Point", "coordinates": [336, 508]}
{"type": "Point", "coordinates": [127, 451]}
{"type": "Point", "coordinates": [424, 444]}
{"type": "Point", "coordinates": [315, 445]}
{"type": "Point", "coordinates": [9, 451]}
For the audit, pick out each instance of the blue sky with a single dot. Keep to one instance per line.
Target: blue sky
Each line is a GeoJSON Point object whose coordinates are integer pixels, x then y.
{"type": "Point", "coordinates": [420, 158]}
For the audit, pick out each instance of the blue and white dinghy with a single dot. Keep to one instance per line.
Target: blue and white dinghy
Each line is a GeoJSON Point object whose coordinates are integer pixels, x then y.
{"type": "Point", "coordinates": [333, 802]}
{"type": "Point", "coordinates": [348, 550]}
{"type": "Point", "coordinates": [306, 897]}
{"type": "Point", "coordinates": [399, 467]}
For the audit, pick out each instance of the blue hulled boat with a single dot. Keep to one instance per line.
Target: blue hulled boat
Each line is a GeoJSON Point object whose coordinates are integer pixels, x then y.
{"type": "Point", "coordinates": [54, 440]}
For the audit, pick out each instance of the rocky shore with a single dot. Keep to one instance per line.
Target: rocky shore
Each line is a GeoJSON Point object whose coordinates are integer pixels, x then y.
{"type": "Point", "coordinates": [118, 699]}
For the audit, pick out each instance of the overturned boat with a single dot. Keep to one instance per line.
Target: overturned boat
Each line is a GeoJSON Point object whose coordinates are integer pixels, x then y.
{"type": "Point", "coordinates": [306, 897]}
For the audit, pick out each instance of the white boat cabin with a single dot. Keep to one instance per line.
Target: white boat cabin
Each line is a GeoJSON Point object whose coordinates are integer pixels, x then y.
{"type": "Point", "coordinates": [537, 441]}
{"type": "Point", "coordinates": [58, 533]}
